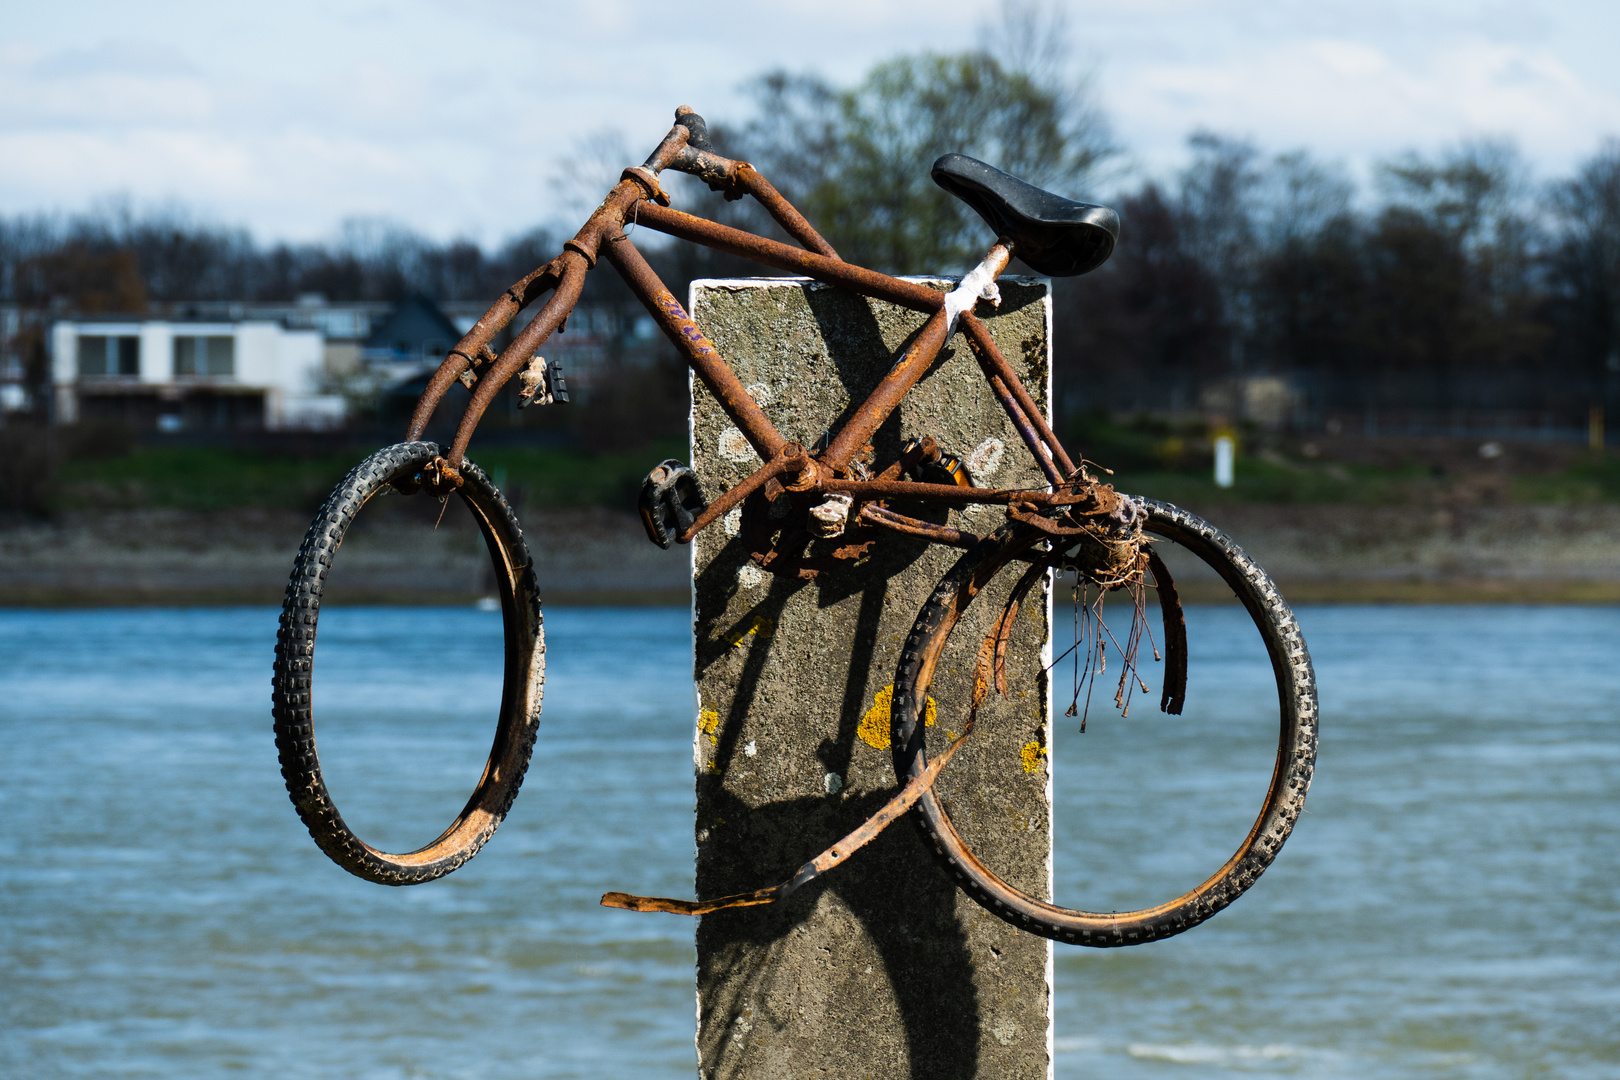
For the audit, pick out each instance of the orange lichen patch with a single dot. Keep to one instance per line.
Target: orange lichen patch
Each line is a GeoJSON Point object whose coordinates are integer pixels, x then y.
{"type": "Point", "coordinates": [1031, 756]}
{"type": "Point", "coordinates": [874, 729]}
{"type": "Point", "coordinates": [709, 724]}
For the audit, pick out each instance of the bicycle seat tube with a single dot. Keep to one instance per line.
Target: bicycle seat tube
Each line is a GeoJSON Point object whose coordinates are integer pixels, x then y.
{"type": "Point", "coordinates": [916, 360]}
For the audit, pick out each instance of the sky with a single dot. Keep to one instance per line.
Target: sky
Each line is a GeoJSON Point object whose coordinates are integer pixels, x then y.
{"type": "Point", "coordinates": [452, 119]}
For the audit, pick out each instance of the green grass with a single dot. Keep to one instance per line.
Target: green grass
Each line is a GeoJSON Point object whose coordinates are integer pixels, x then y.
{"type": "Point", "coordinates": [198, 479]}
{"type": "Point", "coordinates": [1258, 481]}
{"type": "Point", "coordinates": [1152, 457]}
{"type": "Point", "coordinates": [209, 479]}
{"type": "Point", "coordinates": [1595, 479]}
{"type": "Point", "coordinates": [574, 478]}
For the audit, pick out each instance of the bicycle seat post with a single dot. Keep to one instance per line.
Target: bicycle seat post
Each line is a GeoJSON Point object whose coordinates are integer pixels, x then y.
{"type": "Point", "coordinates": [979, 284]}
{"type": "Point", "coordinates": [918, 358]}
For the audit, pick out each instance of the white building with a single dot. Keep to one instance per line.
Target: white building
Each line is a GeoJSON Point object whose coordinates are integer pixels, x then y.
{"type": "Point", "coordinates": [176, 376]}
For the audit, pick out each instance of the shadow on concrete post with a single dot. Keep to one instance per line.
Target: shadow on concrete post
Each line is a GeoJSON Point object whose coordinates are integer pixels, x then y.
{"type": "Point", "coordinates": [882, 968]}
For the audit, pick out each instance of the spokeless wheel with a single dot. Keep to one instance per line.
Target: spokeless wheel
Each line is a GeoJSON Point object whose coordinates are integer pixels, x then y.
{"type": "Point", "coordinates": [1007, 555]}
{"type": "Point", "coordinates": [293, 705]}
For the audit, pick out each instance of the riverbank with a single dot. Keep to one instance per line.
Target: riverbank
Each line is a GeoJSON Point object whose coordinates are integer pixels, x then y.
{"type": "Point", "coordinates": [1543, 553]}
{"type": "Point", "coordinates": [180, 558]}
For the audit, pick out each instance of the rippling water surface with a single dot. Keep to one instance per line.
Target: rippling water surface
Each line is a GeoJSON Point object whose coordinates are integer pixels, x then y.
{"type": "Point", "coordinates": [1448, 907]}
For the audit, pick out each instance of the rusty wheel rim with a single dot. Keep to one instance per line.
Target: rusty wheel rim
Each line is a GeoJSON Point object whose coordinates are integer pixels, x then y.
{"type": "Point", "coordinates": [523, 676]}
{"type": "Point", "coordinates": [1284, 797]}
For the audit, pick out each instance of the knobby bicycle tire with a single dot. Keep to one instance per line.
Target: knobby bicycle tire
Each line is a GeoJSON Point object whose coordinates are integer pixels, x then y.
{"type": "Point", "coordinates": [1291, 775]}
{"type": "Point", "coordinates": [524, 677]}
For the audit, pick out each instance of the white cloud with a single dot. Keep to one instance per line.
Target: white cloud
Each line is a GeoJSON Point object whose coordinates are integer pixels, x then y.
{"type": "Point", "coordinates": [1348, 98]}
{"type": "Point", "coordinates": [451, 119]}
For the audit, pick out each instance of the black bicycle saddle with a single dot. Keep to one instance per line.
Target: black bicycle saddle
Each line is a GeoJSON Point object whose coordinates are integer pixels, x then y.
{"type": "Point", "coordinates": [1055, 236]}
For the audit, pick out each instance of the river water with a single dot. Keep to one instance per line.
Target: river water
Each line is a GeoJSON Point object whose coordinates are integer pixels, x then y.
{"type": "Point", "coordinates": [1449, 906]}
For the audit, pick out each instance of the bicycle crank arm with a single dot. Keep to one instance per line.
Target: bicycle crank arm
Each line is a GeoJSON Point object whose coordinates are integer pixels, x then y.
{"type": "Point", "coordinates": [892, 811]}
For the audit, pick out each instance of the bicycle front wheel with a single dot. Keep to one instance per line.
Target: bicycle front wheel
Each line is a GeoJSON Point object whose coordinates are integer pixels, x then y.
{"type": "Point", "coordinates": [293, 704]}
{"type": "Point", "coordinates": [984, 569]}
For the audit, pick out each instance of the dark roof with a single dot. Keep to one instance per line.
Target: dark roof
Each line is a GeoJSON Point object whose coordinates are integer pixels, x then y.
{"type": "Point", "coordinates": [414, 322]}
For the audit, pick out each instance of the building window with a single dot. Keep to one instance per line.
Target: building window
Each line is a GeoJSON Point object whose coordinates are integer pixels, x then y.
{"type": "Point", "coordinates": [196, 355]}
{"type": "Point", "coordinates": [103, 356]}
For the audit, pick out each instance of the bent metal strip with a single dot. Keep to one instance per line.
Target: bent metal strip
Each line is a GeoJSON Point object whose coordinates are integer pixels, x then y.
{"type": "Point", "coordinates": [892, 811]}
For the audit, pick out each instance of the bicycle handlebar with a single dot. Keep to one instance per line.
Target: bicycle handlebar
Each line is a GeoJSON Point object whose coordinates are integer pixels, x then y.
{"type": "Point", "coordinates": [697, 129]}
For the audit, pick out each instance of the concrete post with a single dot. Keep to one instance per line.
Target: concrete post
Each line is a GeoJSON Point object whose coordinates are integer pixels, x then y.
{"type": "Point", "coordinates": [882, 968]}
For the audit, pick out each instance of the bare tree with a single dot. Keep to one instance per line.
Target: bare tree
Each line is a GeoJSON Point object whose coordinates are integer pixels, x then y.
{"type": "Point", "coordinates": [1586, 273]}
{"type": "Point", "coordinates": [856, 159]}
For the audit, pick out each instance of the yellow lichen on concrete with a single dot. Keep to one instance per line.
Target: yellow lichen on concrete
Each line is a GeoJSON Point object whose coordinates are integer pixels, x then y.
{"type": "Point", "coordinates": [874, 729]}
{"type": "Point", "coordinates": [1031, 756]}
{"type": "Point", "coordinates": [760, 626]}
{"type": "Point", "coordinates": [709, 724]}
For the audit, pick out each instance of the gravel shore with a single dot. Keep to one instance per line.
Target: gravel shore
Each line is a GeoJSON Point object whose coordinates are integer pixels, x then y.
{"type": "Point", "coordinates": [173, 557]}
{"type": "Point", "coordinates": [1546, 553]}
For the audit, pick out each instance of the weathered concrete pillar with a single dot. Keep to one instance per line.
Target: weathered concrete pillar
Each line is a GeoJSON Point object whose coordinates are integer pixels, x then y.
{"type": "Point", "coordinates": [882, 968]}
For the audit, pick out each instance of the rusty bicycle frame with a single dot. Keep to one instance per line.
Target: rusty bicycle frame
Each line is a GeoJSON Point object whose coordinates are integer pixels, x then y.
{"type": "Point", "coordinates": [839, 470]}
{"type": "Point", "coordinates": [788, 466]}
{"type": "Point", "coordinates": [1076, 523]}
{"type": "Point", "coordinates": [839, 473]}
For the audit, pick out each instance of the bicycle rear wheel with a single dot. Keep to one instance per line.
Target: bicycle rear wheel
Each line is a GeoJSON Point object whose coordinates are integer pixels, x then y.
{"type": "Point", "coordinates": [1284, 799]}
{"type": "Point", "coordinates": [293, 705]}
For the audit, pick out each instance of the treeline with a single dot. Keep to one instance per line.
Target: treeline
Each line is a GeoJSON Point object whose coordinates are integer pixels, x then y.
{"type": "Point", "coordinates": [1457, 295]}
{"type": "Point", "coordinates": [1456, 291]}
{"type": "Point", "coordinates": [115, 259]}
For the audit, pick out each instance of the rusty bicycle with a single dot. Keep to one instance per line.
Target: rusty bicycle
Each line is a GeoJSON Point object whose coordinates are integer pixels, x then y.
{"type": "Point", "coordinates": [806, 512]}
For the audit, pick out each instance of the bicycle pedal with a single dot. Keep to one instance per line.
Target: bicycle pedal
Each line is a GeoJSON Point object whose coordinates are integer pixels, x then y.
{"type": "Point", "coordinates": [670, 501]}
